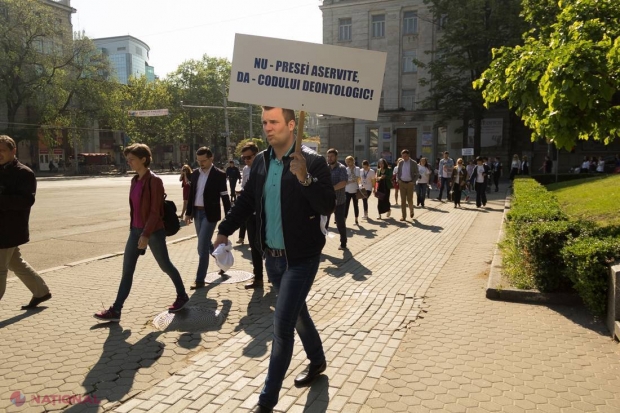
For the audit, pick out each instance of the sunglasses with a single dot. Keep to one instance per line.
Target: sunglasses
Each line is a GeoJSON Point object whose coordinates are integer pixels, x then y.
{"type": "Point", "coordinates": [247, 158]}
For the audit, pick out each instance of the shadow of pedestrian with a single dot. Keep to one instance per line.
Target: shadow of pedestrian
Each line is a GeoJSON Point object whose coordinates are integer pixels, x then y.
{"type": "Point", "coordinates": [258, 322]}
{"type": "Point", "coordinates": [19, 317]}
{"type": "Point", "coordinates": [346, 265]}
{"type": "Point", "coordinates": [318, 396]}
{"type": "Point", "coordinates": [112, 377]}
{"type": "Point", "coordinates": [431, 228]}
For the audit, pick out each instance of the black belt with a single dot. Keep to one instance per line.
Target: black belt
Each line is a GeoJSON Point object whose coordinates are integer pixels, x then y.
{"type": "Point", "coordinates": [198, 207]}
{"type": "Point", "coordinates": [275, 253]}
{"type": "Point", "coordinates": [407, 182]}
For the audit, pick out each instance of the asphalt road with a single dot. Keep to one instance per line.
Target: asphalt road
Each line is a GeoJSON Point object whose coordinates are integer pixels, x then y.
{"type": "Point", "coordinates": [76, 218]}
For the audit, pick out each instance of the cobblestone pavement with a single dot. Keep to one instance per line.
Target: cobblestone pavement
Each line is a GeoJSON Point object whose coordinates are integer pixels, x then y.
{"type": "Point", "coordinates": [402, 315]}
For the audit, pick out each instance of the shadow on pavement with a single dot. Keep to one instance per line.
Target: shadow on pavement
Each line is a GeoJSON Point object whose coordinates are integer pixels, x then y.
{"type": "Point", "coordinates": [431, 228]}
{"type": "Point", "coordinates": [26, 314]}
{"type": "Point", "coordinates": [579, 315]}
{"type": "Point", "coordinates": [346, 265]}
{"type": "Point", "coordinates": [112, 377]}
{"type": "Point", "coordinates": [318, 396]}
{"type": "Point", "coordinates": [257, 322]}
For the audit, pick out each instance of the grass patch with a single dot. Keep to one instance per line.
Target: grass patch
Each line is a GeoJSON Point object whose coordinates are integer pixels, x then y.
{"type": "Point", "coordinates": [591, 199]}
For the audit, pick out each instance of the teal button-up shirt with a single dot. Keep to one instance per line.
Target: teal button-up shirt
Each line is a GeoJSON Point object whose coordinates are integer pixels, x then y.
{"type": "Point", "coordinates": [274, 237]}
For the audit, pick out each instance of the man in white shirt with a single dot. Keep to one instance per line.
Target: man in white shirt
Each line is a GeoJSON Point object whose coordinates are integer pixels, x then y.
{"type": "Point", "coordinates": [207, 187]}
{"type": "Point", "coordinates": [407, 174]}
{"type": "Point", "coordinates": [368, 179]}
{"type": "Point", "coordinates": [446, 165]}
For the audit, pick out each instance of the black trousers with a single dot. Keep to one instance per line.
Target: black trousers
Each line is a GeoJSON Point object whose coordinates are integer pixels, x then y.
{"type": "Point", "coordinates": [481, 194]}
{"type": "Point", "coordinates": [257, 258]}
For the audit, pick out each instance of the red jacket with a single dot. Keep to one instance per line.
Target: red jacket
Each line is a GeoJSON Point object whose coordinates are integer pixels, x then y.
{"type": "Point", "coordinates": [151, 203]}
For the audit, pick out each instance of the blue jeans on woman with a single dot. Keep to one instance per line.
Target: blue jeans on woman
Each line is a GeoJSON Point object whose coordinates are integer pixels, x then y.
{"type": "Point", "coordinates": [204, 230]}
{"type": "Point", "coordinates": [421, 193]}
{"type": "Point", "coordinates": [157, 244]}
{"type": "Point", "coordinates": [293, 283]}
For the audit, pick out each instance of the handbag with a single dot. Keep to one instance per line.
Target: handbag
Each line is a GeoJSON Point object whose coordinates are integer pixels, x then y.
{"type": "Point", "coordinates": [360, 194]}
{"type": "Point", "coordinates": [380, 195]}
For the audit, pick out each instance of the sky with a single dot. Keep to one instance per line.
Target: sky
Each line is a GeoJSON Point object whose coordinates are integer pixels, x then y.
{"type": "Point", "coordinates": [180, 30]}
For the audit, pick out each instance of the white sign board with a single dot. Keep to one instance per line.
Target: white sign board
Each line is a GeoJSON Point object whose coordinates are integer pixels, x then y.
{"type": "Point", "coordinates": [467, 152]}
{"type": "Point", "coordinates": [491, 132]}
{"type": "Point", "coordinates": [148, 113]}
{"type": "Point", "coordinates": [312, 77]}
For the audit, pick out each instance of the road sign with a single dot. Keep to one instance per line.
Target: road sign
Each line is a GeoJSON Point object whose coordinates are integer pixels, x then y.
{"type": "Point", "coordinates": [309, 77]}
{"type": "Point", "coordinates": [467, 152]}
{"type": "Point", "coordinates": [148, 113]}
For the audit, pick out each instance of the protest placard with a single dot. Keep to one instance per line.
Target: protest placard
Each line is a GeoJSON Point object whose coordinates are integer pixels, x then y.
{"type": "Point", "coordinates": [308, 77]}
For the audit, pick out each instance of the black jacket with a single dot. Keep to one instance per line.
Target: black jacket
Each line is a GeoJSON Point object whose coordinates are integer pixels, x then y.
{"type": "Point", "coordinates": [302, 206]}
{"type": "Point", "coordinates": [214, 190]}
{"type": "Point", "coordinates": [17, 189]}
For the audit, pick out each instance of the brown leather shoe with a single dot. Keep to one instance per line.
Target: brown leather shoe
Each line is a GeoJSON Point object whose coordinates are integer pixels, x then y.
{"type": "Point", "coordinates": [310, 373]}
{"type": "Point", "coordinates": [196, 285]}
{"type": "Point", "coordinates": [253, 285]}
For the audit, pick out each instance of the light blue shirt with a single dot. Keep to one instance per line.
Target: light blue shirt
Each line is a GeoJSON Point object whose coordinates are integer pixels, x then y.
{"type": "Point", "coordinates": [274, 237]}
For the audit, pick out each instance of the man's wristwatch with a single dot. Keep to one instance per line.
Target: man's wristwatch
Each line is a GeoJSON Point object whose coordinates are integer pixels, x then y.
{"type": "Point", "coordinates": [308, 180]}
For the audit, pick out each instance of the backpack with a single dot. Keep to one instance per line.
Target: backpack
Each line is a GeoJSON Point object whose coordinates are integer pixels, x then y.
{"type": "Point", "coordinates": [171, 221]}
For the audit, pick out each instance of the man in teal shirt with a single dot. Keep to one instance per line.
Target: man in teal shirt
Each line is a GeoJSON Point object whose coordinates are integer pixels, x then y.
{"type": "Point", "coordinates": [289, 191]}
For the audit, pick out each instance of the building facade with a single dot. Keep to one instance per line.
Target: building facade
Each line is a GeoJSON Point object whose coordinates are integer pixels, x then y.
{"type": "Point", "coordinates": [128, 57]}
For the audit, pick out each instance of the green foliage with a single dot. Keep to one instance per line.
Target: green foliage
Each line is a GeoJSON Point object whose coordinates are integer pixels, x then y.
{"type": "Point", "coordinates": [564, 81]}
{"type": "Point", "coordinates": [259, 142]}
{"type": "Point", "coordinates": [588, 260]}
{"type": "Point", "coordinates": [532, 202]}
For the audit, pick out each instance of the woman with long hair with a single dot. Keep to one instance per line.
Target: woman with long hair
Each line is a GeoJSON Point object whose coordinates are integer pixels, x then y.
{"type": "Point", "coordinates": [382, 190]}
{"type": "Point", "coordinates": [459, 181]}
{"type": "Point", "coordinates": [423, 181]}
{"type": "Point", "coordinates": [146, 206]}
{"type": "Point", "coordinates": [353, 185]}
{"type": "Point", "coordinates": [186, 173]}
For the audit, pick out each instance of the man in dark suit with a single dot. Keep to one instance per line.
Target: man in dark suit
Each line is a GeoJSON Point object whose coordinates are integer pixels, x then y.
{"type": "Point", "coordinates": [207, 187]}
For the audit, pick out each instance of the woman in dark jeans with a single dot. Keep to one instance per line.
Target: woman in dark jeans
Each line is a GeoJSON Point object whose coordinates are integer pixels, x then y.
{"type": "Point", "coordinates": [146, 201]}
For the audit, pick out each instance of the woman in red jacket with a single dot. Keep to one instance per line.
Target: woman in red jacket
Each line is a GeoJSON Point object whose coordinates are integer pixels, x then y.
{"type": "Point", "coordinates": [146, 201]}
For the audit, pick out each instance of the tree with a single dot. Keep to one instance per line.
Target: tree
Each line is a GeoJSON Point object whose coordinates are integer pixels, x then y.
{"type": "Point", "coordinates": [59, 78]}
{"type": "Point", "coordinates": [564, 81]}
{"type": "Point", "coordinates": [469, 30]}
{"type": "Point", "coordinates": [260, 143]}
{"type": "Point", "coordinates": [143, 95]}
{"type": "Point", "coordinates": [205, 83]}
{"type": "Point", "coordinates": [33, 51]}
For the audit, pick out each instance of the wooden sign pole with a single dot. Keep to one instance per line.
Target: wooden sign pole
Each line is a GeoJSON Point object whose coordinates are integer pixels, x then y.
{"type": "Point", "coordinates": [300, 131]}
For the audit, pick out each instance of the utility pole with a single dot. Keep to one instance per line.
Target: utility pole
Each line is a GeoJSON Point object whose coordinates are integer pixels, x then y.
{"type": "Point", "coordinates": [251, 134]}
{"type": "Point", "coordinates": [226, 126]}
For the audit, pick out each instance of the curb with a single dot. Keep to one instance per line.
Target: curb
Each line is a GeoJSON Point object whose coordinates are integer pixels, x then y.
{"type": "Point", "coordinates": [497, 288]}
{"type": "Point", "coordinates": [104, 257]}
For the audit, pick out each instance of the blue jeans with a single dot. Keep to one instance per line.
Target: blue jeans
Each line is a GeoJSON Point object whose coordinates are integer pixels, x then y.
{"type": "Point", "coordinates": [293, 283]}
{"type": "Point", "coordinates": [157, 244]}
{"type": "Point", "coordinates": [204, 230]}
{"type": "Point", "coordinates": [445, 183]}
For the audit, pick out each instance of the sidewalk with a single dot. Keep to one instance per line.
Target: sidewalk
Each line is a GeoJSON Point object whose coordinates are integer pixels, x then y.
{"type": "Point", "coordinates": [403, 318]}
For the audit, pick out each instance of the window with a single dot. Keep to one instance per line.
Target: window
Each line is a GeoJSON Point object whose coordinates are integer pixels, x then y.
{"type": "Point", "coordinates": [344, 29]}
{"type": "Point", "coordinates": [408, 99]}
{"type": "Point", "coordinates": [378, 25]}
{"type": "Point", "coordinates": [120, 49]}
{"type": "Point", "coordinates": [408, 65]}
{"type": "Point", "coordinates": [138, 51]}
{"type": "Point", "coordinates": [410, 22]}
{"type": "Point", "coordinates": [373, 144]}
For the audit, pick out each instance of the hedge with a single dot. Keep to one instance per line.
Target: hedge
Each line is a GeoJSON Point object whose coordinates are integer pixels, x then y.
{"type": "Point", "coordinates": [544, 250]}
{"type": "Point", "coordinates": [587, 261]}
